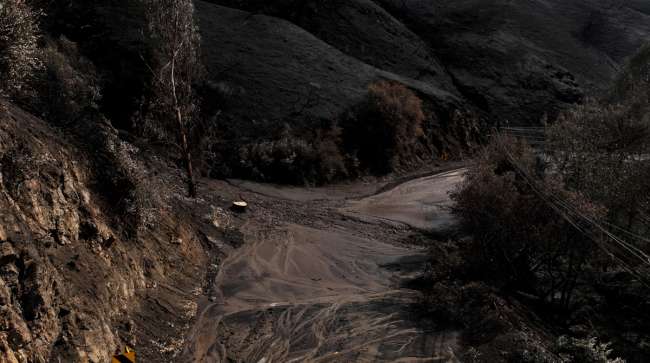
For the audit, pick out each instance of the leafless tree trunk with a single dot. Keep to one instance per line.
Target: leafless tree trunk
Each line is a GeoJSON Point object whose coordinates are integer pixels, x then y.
{"type": "Point", "coordinates": [182, 127]}
{"type": "Point", "coordinates": [173, 42]}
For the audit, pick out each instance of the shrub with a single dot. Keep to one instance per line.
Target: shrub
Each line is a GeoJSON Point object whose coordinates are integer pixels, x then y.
{"type": "Point", "coordinates": [520, 240]}
{"type": "Point", "coordinates": [386, 127]}
{"type": "Point", "coordinates": [294, 159]}
{"type": "Point", "coordinates": [124, 181]}
{"type": "Point", "coordinates": [600, 150]}
{"type": "Point", "coordinates": [585, 350]}
{"type": "Point", "coordinates": [19, 35]}
{"type": "Point", "coordinates": [71, 86]}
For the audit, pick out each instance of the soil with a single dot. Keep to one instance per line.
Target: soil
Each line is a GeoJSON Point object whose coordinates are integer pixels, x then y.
{"type": "Point", "coordinates": [321, 276]}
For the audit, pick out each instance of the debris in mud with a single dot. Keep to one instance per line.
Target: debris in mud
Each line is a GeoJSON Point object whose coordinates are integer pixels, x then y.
{"type": "Point", "coordinates": [219, 218]}
{"type": "Point", "coordinates": [239, 206]}
{"type": "Point", "coordinates": [233, 237]}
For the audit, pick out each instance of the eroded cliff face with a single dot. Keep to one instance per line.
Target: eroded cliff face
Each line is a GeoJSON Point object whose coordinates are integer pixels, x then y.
{"type": "Point", "coordinates": [46, 207]}
{"type": "Point", "coordinates": [80, 274]}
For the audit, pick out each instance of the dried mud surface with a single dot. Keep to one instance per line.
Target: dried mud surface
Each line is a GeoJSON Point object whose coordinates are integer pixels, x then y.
{"type": "Point", "coordinates": [321, 276]}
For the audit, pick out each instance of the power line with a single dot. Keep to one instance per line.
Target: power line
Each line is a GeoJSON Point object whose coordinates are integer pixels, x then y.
{"type": "Point", "coordinates": [574, 216]}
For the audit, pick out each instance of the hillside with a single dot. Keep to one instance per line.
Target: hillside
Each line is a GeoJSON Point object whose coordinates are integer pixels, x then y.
{"type": "Point", "coordinates": [514, 60]}
{"type": "Point", "coordinates": [301, 68]}
{"type": "Point", "coordinates": [286, 74]}
{"type": "Point", "coordinates": [129, 128]}
{"type": "Point", "coordinates": [88, 262]}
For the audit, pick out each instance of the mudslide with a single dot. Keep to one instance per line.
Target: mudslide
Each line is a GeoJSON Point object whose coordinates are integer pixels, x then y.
{"type": "Point", "coordinates": [421, 203]}
{"type": "Point", "coordinates": [297, 292]}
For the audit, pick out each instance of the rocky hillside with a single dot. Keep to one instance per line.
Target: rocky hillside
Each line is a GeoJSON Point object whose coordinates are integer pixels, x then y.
{"type": "Point", "coordinates": [99, 247]}
{"type": "Point", "coordinates": [90, 260]}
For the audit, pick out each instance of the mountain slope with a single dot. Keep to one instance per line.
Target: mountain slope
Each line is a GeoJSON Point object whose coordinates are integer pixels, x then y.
{"type": "Point", "coordinates": [520, 60]}
{"type": "Point", "coordinates": [516, 60]}
{"type": "Point", "coordinates": [286, 74]}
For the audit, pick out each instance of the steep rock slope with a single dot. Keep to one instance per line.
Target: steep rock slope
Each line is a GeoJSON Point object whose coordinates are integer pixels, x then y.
{"type": "Point", "coordinates": [86, 264]}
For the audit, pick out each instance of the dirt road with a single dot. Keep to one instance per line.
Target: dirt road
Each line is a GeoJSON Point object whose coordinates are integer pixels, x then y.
{"type": "Point", "coordinates": [321, 277]}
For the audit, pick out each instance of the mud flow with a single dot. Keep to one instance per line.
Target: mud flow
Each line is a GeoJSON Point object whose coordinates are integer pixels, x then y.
{"type": "Point", "coordinates": [300, 293]}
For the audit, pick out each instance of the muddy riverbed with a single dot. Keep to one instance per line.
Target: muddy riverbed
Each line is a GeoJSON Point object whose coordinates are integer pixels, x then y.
{"type": "Point", "coordinates": [323, 275]}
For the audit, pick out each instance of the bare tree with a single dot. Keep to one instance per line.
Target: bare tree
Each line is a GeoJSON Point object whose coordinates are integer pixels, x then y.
{"type": "Point", "coordinates": [173, 42]}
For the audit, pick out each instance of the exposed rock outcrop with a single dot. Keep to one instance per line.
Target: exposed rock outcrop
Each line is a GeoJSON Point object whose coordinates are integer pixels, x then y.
{"type": "Point", "coordinates": [77, 281]}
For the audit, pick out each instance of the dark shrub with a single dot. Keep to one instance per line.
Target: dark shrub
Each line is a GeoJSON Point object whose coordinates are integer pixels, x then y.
{"type": "Point", "coordinates": [71, 87]}
{"type": "Point", "coordinates": [385, 129]}
{"type": "Point", "coordinates": [585, 350]}
{"type": "Point", "coordinates": [601, 147]}
{"type": "Point", "coordinates": [521, 239]}
{"type": "Point", "coordinates": [295, 159]}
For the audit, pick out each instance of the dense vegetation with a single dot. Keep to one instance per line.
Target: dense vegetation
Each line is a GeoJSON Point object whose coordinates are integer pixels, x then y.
{"type": "Point", "coordinates": [564, 230]}
{"type": "Point", "coordinates": [19, 59]}
{"type": "Point", "coordinates": [383, 133]}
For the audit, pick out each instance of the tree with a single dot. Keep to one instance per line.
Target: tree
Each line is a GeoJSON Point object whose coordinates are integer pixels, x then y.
{"type": "Point", "coordinates": [172, 40]}
{"type": "Point", "coordinates": [602, 147]}
{"type": "Point", "coordinates": [386, 128]}
{"type": "Point", "coordinates": [522, 238]}
{"type": "Point", "coordinates": [19, 52]}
